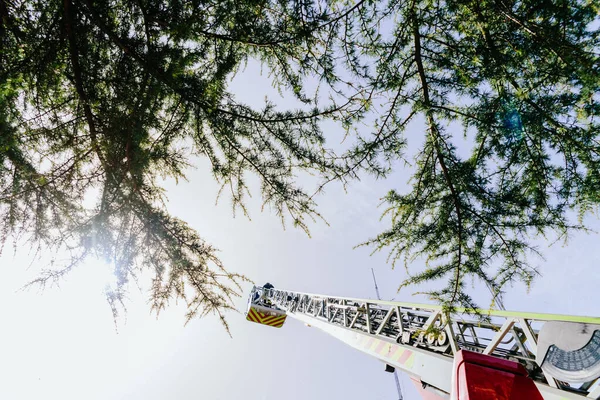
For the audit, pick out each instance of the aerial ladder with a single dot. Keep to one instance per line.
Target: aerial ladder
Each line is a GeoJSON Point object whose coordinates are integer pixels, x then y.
{"type": "Point", "coordinates": [467, 354]}
{"type": "Point", "coordinates": [396, 379]}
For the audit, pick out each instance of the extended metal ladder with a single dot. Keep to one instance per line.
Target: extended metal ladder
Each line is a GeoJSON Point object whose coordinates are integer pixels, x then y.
{"type": "Point", "coordinates": [421, 339]}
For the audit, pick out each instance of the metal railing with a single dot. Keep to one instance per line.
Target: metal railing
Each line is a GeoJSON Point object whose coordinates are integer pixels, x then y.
{"type": "Point", "coordinates": [504, 334]}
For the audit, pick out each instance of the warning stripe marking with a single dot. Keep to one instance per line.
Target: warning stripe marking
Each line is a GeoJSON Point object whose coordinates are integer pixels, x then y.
{"type": "Point", "coordinates": [269, 318]}
{"type": "Point", "coordinates": [404, 357]}
{"type": "Point", "coordinates": [275, 321]}
{"type": "Point", "coordinates": [381, 346]}
{"type": "Point", "coordinates": [397, 354]}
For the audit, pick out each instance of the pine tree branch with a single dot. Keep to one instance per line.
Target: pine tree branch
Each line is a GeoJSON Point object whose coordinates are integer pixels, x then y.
{"type": "Point", "coordinates": [270, 43]}
{"type": "Point", "coordinates": [435, 137]}
{"type": "Point", "coordinates": [164, 78]}
{"type": "Point", "coordinates": [73, 52]}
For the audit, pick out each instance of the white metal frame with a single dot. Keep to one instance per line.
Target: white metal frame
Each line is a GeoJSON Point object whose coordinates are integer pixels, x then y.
{"type": "Point", "coordinates": [385, 329]}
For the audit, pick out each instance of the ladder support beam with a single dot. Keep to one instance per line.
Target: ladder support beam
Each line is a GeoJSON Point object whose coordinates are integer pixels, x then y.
{"type": "Point", "coordinates": [506, 327]}
{"type": "Point", "coordinates": [531, 341]}
{"type": "Point", "coordinates": [400, 322]}
{"type": "Point", "coordinates": [394, 344]}
{"type": "Point", "coordinates": [451, 337]}
{"type": "Point", "coordinates": [368, 317]}
{"type": "Point", "coordinates": [385, 321]}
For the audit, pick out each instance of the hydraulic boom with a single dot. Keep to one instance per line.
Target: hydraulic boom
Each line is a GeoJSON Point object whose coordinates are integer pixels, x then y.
{"type": "Point", "coordinates": [563, 358]}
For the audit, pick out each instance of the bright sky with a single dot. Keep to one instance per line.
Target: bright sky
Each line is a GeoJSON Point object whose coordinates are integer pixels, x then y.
{"type": "Point", "coordinates": [63, 344]}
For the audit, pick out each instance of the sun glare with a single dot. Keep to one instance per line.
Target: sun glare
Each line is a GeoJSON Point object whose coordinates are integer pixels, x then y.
{"type": "Point", "coordinates": [94, 275]}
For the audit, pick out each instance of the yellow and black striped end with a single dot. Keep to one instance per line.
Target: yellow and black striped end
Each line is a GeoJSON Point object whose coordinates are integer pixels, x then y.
{"type": "Point", "coordinates": [276, 321]}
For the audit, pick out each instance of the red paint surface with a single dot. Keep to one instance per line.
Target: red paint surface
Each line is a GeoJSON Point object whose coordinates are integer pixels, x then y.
{"type": "Point", "coordinates": [483, 377]}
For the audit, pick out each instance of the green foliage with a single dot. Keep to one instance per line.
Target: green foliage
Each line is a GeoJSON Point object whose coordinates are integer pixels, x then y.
{"type": "Point", "coordinates": [521, 79]}
{"type": "Point", "coordinates": [100, 99]}
{"type": "Point", "coordinates": [108, 97]}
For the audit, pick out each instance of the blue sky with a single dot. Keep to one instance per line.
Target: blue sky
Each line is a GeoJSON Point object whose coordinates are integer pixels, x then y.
{"type": "Point", "coordinates": [63, 344]}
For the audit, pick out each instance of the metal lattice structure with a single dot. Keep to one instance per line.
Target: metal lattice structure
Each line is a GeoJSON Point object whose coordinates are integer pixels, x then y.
{"type": "Point", "coordinates": [421, 340]}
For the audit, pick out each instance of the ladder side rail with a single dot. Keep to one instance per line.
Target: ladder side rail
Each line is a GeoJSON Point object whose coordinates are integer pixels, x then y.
{"type": "Point", "coordinates": [421, 360]}
{"type": "Point", "coordinates": [376, 319]}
